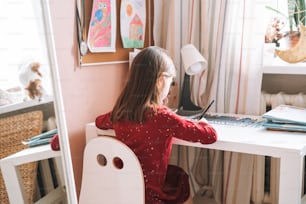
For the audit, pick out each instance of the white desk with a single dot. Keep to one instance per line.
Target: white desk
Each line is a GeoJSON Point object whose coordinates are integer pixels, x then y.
{"type": "Point", "coordinates": [11, 175]}
{"type": "Point", "coordinates": [288, 146]}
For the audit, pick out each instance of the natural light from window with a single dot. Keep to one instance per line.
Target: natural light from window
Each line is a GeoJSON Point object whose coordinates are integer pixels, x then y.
{"type": "Point", "coordinates": [22, 40]}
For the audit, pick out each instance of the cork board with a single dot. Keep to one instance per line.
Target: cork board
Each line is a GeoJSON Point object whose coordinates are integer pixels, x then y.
{"type": "Point", "coordinates": [121, 54]}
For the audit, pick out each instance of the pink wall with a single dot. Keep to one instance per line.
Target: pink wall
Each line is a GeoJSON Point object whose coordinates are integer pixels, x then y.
{"type": "Point", "coordinates": [87, 91]}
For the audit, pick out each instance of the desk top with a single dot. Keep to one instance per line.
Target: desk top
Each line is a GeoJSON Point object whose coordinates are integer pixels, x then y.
{"type": "Point", "coordinates": [255, 140]}
{"type": "Point", "coordinates": [252, 140]}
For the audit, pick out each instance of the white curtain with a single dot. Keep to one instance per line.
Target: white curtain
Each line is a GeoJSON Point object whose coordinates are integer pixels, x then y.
{"type": "Point", "coordinates": [236, 80]}
{"type": "Point", "coordinates": [230, 35]}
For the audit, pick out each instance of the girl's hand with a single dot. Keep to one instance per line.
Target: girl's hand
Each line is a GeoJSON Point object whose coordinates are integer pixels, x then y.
{"type": "Point", "coordinates": [203, 120]}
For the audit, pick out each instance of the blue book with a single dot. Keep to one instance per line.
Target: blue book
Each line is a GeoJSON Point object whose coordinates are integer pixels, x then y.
{"type": "Point", "coordinates": [286, 117]}
{"type": "Point", "coordinates": [284, 126]}
{"type": "Point", "coordinates": [287, 114]}
{"type": "Point", "coordinates": [41, 139]}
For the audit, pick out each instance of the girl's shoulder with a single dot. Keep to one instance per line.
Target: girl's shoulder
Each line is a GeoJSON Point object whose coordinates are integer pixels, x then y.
{"type": "Point", "coordinates": [164, 111]}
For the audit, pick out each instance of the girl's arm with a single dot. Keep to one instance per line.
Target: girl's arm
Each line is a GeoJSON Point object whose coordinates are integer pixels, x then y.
{"type": "Point", "coordinates": [103, 121]}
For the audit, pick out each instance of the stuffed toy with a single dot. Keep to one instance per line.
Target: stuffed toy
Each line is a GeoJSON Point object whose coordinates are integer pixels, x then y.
{"type": "Point", "coordinates": [31, 80]}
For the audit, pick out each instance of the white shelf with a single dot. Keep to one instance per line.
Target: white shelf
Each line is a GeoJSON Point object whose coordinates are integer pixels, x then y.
{"type": "Point", "coordinates": [11, 174]}
{"type": "Point", "coordinates": [272, 64]}
{"type": "Point", "coordinates": [23, 105]}
{"type": "Point", "coordinates": [298, 69]}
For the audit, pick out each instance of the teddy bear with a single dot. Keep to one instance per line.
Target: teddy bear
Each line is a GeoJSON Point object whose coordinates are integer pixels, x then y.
{"type": "Point", "coordinates": [31, 80]}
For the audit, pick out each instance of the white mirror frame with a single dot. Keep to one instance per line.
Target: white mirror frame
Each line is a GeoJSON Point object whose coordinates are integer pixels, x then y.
{"type": "Point", "coordinates": [59, 107]}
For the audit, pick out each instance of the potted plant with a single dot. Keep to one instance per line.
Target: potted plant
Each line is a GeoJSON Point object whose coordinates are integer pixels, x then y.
{"type": "Point", "coordinates": [296, 11]}
{"type": "Point", "coordinates": [296, 17]}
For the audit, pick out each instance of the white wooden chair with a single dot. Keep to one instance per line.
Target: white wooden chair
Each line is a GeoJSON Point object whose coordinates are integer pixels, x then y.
{"type": "Point", "coordinates": [111, 173]}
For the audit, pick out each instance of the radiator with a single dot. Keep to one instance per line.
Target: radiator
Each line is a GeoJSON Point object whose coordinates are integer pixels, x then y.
{"type": "Point", "coordinates": [271, 165]}
{"type": "Point", "coordinates": [269, 101]}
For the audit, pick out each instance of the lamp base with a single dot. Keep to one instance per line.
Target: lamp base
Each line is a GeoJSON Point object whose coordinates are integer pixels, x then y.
{"type": "Point", "coordinates": [186, 106]}
{"type": "Point", "coordinates": [193, 114]}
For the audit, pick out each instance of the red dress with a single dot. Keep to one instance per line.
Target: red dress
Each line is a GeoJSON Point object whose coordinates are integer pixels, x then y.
{"type": "Point", "coordinates": [152, 142]}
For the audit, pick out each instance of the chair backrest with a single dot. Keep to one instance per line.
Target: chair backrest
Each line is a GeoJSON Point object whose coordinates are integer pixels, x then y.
{"type": "Point", "coordinates": [111, 173]}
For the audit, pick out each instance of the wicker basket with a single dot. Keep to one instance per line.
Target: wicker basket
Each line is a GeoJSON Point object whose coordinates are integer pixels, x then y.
{"type": "Point", "coordinates": [13, 130]}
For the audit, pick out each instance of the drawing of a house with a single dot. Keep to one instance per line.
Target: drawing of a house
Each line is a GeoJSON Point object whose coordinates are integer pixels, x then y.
{"type": "Point", "coordinates": [136, 29]}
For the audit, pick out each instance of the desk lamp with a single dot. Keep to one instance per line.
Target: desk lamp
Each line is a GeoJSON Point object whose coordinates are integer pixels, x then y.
{"type": "Point", "coordinates": [193, 63]}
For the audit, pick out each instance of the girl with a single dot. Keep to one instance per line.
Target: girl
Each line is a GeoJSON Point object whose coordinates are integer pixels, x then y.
{"type": "Point", "coordinates": [143, 122]}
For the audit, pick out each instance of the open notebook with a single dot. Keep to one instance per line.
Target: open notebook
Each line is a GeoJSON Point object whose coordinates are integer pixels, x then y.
{"type": "Point", "coordinates": [228, 119]}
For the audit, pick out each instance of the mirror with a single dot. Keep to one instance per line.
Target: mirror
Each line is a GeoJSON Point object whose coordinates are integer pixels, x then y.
{"type": "Point", "coordinates": [29, 81]}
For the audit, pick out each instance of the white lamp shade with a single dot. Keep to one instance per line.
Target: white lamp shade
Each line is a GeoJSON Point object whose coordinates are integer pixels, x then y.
{"type": "Point", "coordinates": [193, 61]}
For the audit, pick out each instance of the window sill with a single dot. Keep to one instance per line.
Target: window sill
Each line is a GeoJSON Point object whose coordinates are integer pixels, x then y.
{"type": "Point", "coordinates": [274, 65]}
{"type": "Point", "coordinates": [23, 105]}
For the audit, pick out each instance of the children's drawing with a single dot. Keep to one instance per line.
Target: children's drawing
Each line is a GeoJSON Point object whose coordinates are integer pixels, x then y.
{"type": "Point", "coordinates": [133, 23]}
{"type": "Point", "coordinates": [102, 26]}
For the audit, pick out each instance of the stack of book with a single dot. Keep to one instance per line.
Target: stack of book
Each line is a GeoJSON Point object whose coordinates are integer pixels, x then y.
{"type": "Point", "coordinates": [286, 117]}
{"type": "Point", "coordinates": [41, 139]}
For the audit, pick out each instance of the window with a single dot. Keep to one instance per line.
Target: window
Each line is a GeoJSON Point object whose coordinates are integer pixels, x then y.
{"type": "Point", "coordinates": [22, 39]}
{"type": "Point", "coordinates": [282, 31]}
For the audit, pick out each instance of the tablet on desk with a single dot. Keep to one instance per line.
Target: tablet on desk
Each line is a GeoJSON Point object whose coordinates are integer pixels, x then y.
{"type": "Point", "coordinates": [235, 120]}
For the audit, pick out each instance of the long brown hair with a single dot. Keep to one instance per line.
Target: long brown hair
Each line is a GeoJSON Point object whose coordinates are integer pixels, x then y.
{"type": "Point", "coordinates": [140, 90]}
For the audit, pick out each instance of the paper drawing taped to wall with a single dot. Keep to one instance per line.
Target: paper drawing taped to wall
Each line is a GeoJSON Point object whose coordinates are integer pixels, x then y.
{"type": "Point", "coordinates": [102, 26]}
{"type": "Point", "coordinates": [133, 23]}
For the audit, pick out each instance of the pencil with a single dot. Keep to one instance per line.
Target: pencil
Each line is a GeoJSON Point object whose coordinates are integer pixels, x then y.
{"type": "Point", "coordinates": [208, 107]}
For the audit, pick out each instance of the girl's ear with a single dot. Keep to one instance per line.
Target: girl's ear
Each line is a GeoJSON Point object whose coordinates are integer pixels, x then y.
{"type": "Point", "coordinates": [160, 82]}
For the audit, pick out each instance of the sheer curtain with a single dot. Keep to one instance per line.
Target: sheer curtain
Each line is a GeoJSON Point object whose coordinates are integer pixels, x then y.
{"type": "Point", "coordinates": [230, 35]}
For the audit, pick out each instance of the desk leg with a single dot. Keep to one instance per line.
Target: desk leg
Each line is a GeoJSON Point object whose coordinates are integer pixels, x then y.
{"type": "Point", "coordinates": [290, 181]}
{"type": "Point", "coordinates": [13, 183]}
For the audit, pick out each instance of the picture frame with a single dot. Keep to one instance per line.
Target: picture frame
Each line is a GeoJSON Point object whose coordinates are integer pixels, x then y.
{"type": "Point", "coordinates": [102, 26]}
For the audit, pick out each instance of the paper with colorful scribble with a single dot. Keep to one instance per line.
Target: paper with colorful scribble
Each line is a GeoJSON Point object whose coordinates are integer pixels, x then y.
{"type": "Point", "coordinates": [102, 26]}
{"type": "Point", "coordinates": [133, 23]}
